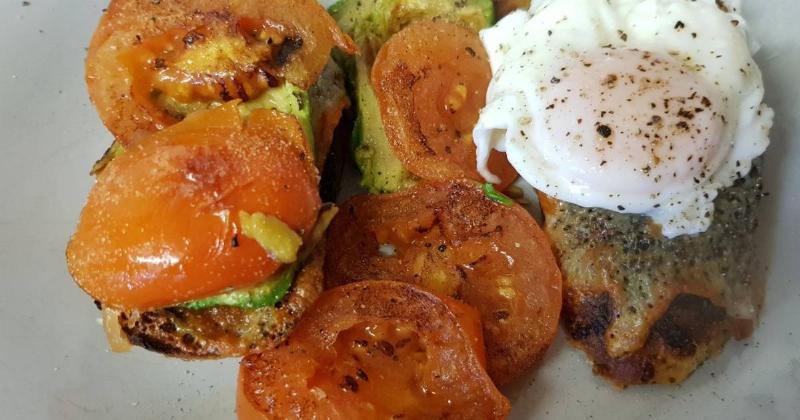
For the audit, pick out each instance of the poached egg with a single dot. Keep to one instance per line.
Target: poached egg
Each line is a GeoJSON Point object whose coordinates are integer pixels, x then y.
{"type": "Point", "coordinates": [637, 106]}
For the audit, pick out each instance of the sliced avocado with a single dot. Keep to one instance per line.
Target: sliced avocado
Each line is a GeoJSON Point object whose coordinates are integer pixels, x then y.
{"type": "Point", "coordinates": [110, 154]}
{"type": "Point", "coordinates": [288, 99]}
{"type": "Point", "coordinates": [275, 236]}
{"type": "Point", "coordinates": [381, 170]}
{"type": "Point", "coordinates": [370, 23]}
{"type": "Point", "coordinates": [273, 290]}
{"type": "Point", "coordinates": [496, 196]}
{"type": "Point", "coordinates": [280, 241]}
{"type": "Point", "coordinates": [266, 294]}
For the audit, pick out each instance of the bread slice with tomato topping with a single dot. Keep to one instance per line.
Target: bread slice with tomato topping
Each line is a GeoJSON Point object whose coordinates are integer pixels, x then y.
{"type": "Point", "coordinates": [150, 63]}
{"type": "Point", "coordinates": [649, 309]}
{"type": "Point", "coordinates": [205, 223]}
{"type": "Point", "coordinates": [199, 237]}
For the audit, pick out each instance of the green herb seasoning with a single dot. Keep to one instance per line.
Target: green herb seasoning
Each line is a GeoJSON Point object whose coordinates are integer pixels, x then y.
{"type": "Point", "coordinates": [496, 196]}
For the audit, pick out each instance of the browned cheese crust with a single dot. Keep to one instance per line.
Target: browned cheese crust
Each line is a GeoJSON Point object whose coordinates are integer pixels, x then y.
{"type": "Point", "coordinates": [647, 309]}
{"type": "Point", "coordinates": [224, 331]}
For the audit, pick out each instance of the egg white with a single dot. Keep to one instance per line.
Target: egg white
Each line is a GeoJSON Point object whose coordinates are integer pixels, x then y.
{"type": "Point", "coordinates": [682, 119]}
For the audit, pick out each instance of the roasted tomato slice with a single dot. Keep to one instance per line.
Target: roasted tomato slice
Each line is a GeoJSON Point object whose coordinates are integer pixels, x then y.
{"type": "Point", "coordinates": [150, 63]}
{"type": "Point", "coordinates": [162, 224]}
{"type": "Point", "coordinates": [431, 80]}
{"type": "Point", "coordinates": [373, 350]}
{"type": "Point", "coordinates": [452, 239]}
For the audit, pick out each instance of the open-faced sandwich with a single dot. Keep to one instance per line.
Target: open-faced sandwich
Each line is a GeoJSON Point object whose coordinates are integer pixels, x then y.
{"type": "Point", "coordinates": [199, 237]}
{"type": "Point", "coordinates": [152, 63]}
{"type": "Point", "coordinates": [640, 123]}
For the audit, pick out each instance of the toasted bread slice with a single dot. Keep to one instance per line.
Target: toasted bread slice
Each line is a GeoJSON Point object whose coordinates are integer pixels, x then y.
{"type": "Point", "coordinates": [225, 331]}
{"type": "Point", "coordinates": [648, 309]}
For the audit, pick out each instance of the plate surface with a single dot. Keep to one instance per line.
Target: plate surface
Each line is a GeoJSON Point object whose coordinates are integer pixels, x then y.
{"type": "Point", "coordinates": [54, 362]}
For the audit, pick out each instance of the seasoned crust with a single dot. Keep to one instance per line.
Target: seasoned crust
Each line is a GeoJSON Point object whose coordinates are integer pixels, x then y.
{"type": "Point", "coordinates": [648, 309]}
{"type": "Point", "coordinates": [224, 331]}
{"type": "Point", "coordinates": [692, 330]}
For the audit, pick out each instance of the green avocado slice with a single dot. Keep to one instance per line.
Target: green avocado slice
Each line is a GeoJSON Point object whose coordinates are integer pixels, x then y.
{"type": "Point", "coordinates": [288, 99]}
{"type": "Point", "coordinates": [268, 293]}
{"type": "Point", "coordinates": [274, 289]}
{"type": "Point", "coordinates": [285, 98]}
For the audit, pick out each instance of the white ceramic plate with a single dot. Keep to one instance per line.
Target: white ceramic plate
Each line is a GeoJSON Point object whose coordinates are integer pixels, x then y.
{"type": "Point", "coordinates": [54, 362]}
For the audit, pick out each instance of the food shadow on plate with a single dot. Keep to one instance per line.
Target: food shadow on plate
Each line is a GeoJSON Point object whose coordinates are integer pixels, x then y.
{"type": "Point", "coordinates": [541, 393]}
{"type": "Point", "coordinates": [536, 378]}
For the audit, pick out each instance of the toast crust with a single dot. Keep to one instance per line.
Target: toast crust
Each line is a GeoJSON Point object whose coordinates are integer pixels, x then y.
{"type": "Point", "coordinates": [648, 309]}
{"type": "Point", "coordinates": [225, 331]}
